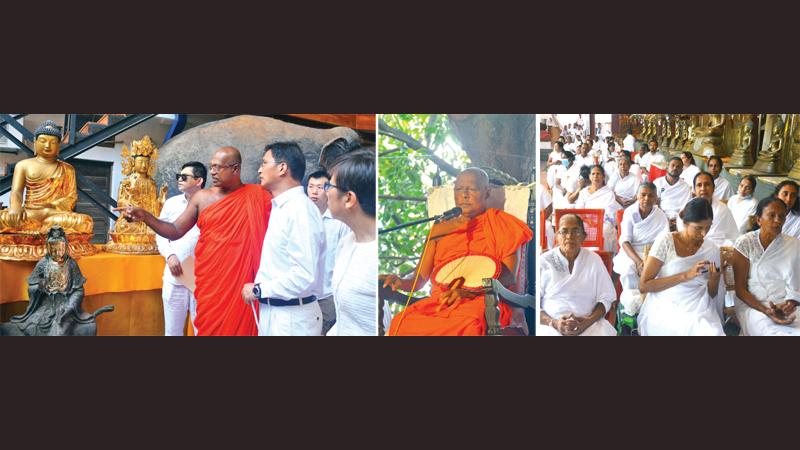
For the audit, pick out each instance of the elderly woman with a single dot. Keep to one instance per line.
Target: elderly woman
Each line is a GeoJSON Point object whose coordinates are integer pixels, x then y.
{"type": "Point", "coordinates": [599, 196]}
{"type": "Point", "coordinates": [743, 205]}
{"type": "Point", "coordinates": [574, 286]}
{"type": "Point", "coordinates": [682, 277]}
{"type": "Point", "coordinates": [787, 191]}
{"type": "Point", "coordinates": [641, 224]}
{"type": "Point", "coordinates": [766, 267]}
{"type": "Point", "coordinates": [623, 182]}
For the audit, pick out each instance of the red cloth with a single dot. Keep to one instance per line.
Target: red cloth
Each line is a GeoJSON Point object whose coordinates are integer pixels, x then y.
{"type": "Point", "coordinates": [494, 233]}
{"type": "Point", "coordinates": [227, 256]}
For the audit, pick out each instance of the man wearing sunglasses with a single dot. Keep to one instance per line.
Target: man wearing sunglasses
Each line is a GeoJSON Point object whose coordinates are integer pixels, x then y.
{"type": "Point", "coordinates": [178, 299]}
{"type": "Point", "coordinates": [232, 218]}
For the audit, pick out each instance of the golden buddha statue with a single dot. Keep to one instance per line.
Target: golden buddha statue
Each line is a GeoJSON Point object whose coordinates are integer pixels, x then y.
{"type": "Point", "coordinates": [795, 147]}
{"type": "Point", "coordinates": [138, 189]}
{"type": "Point", "coordinates": [769, 157]}
{"type": "Point", "coordinates": [50, 193]}
{"type": "Point", "coordinates": [688, 144]}
{"type": "Point", "coordinates": [743, 154]}
{"type": "Point", "coordinates": [708, 139]}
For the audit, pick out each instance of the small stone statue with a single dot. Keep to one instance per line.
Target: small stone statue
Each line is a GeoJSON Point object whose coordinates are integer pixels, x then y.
{"type": "Point", "coordinates": [55, 290]}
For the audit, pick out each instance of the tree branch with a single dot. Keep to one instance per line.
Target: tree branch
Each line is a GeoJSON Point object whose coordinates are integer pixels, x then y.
{"type": "Point", "coordinates": [416, 145]}
{"type": "Point", "coordinates": [402, 198]}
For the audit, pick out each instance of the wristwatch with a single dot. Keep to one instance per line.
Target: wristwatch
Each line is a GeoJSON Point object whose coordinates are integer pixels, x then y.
{"type": "Point", "coordinates": [257, 291]}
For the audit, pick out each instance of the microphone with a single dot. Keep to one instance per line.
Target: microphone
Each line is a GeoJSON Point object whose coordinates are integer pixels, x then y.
{"type": "Point", "coordinates": [449, 214]}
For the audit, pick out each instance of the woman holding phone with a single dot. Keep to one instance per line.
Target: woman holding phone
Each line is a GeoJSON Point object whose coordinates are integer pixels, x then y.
{"type": "Point", "coordinates": [682, 278]}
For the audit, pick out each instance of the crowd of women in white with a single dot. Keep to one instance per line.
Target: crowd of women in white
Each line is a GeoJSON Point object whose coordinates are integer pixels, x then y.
{"type": "Point", "coordinates": [678, 273]}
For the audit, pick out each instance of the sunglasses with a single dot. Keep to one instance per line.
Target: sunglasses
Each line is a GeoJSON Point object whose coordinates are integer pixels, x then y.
{"type": "Point", "coordinates": [183, 176]}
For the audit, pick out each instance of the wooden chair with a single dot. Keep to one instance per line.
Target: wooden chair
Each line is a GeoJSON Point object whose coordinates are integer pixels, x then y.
{"type": "Point", "coordinates": [593, 224]}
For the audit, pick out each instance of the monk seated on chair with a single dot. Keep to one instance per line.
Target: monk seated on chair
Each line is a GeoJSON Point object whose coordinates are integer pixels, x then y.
{"type": "Point", "coordinates": [481, 238]}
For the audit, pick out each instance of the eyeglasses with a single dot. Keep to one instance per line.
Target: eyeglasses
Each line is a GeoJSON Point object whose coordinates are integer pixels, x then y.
{"type": "Point", "coordinates": [329, 185]}
{"type": "Point", "coordinates": [183, 176]}
{"type": "Point", "coordinates": [218, 167]}
{"type": "Point", "coordinates": [570, 232]}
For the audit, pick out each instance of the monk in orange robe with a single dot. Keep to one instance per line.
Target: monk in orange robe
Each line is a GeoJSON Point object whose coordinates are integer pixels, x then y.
{"type": "Point", "coordinates": [499, 235]}
{"type": "Point", "coordinates": [233, 219]}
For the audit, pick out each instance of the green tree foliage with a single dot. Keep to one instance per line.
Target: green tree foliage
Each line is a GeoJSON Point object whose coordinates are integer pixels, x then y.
{"type": "Point", "coordinates": [410, 173]}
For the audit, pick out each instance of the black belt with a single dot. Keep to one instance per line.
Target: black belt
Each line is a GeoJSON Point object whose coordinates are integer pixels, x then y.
{"type": "Point", "coordinates": [292, 302]}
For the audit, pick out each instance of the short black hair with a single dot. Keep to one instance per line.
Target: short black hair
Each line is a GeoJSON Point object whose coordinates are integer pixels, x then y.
{"type": "Point", "coordinates": [676, 158]}
{"type": "Point", "coordinates": [629, 131]}
{"type": "Point", "coordinates": [612, 144]}
{"type": "Point", "coordinates": [718, 160]}
{"type": "Point", "coordinates": [649, 185]}
{"type": "Point", "coordinates": [198, 170]}
{"type": "Point", "coordinates": [698, 209]}
{"type": "Point", "coordinates": [652, 140]}
{"type": "Point", "coordinates": [751, 179]}
{"type": "Point", "coordinates": [355, 171]}
{"type": "Point", "coordinates": [289, 153]}
{"type": "Point", "coordinates": [319, 173]}
{"type": "Point", "coordinates": [796, 207]}
{"type": "Point", "coordinates": [702, 173]}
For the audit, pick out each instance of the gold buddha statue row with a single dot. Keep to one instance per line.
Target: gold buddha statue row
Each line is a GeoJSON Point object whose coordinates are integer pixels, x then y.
{"type": "Point", "coordinates": [49, 189]}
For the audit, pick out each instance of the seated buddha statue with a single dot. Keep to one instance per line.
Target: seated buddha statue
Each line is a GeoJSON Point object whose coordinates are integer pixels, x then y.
{"type": "Point", "coordinates": [769, 157]}
{"type": "Point", "coordinates": [743, 154]}
{"type": "Point", "coordinates": [49, 189]}
{"type": "Point", "coordinates": [138, 189]}
{"type": "Point", "coordinates": [708, 139]}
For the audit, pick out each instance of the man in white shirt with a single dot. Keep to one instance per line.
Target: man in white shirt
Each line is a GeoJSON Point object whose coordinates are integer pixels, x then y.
{"type": "Point", "coordinates": [673, 193]}
{"type": "Point", "coordinates": [651, 157]}
{"type": "Point", "coordinates": [722, 189]}
{"type": "Point", "coordinates": [291, 275]}
{"type": "Point", "coordinates": [629, 142]}
{"type": "Point", "coordinates": [334, 231]}
{"type": "Point", "coordinates": [177, 298]}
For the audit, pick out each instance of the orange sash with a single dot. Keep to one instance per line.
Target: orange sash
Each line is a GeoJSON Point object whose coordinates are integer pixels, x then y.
{"type": "Point", "coordinates": [227, 256]}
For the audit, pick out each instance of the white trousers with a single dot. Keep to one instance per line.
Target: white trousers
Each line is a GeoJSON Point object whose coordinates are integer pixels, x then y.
{"type": "Point", "coordinates": [300, 320]}
{"type": "Point", "coordinates": [177, 300]}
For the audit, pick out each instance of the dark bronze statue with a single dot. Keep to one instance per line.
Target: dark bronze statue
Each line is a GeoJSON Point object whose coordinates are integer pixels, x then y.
{"type": "Point", "coordinates": [55, 290]}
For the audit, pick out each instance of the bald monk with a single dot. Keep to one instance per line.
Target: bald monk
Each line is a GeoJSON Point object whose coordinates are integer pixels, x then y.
{"type": "Point", "coordinates": [478, 230]}
{"type": "Point", "coordinates": [232, 218]}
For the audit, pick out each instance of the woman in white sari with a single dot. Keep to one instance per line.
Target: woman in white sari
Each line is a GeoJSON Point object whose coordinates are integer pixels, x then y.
{"type": "Point", "coordinates": [766, 267]}
{"type": "Point", "coordinates": [682, 278]}
{"type": "Point", "coordinates": [743, 205]}
{"type": "Point", "coordinates": [574, 286]}
{"type": "Point", "coordinates": [787, 191]}
{"type": "Point", "coordinates": [642, 222]}
{"type": "Point", "coordinates": [599, 196]}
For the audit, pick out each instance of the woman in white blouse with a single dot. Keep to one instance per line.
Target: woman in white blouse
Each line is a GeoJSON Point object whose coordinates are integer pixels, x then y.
{"type": "Point", "coordinates": [766, 268]}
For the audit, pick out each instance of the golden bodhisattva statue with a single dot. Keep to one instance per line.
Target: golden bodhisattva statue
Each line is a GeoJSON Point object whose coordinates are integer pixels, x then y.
{"type": "Point", "coordinates": [688, 144]}
{"type": "Point", "coordinates": [708, 139]}
{"type": "Point", "coordinates": [50, 192]}
{"type": "Point", "coordinates": [138, 189]}
{"type": "Point", "coordinates": [769, 157]}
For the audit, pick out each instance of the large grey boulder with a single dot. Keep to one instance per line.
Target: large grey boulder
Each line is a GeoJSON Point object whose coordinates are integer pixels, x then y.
{"type": "Point", "coordinates": [249, 134]}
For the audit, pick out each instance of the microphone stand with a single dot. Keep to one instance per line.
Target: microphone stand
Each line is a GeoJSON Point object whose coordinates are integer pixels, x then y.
{"type": "Point", "coordinates": [409, 224]}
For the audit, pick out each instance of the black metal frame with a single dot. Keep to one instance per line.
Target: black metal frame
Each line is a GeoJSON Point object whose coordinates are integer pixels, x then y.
{"type": "Point", "coordinates": [73, 150]}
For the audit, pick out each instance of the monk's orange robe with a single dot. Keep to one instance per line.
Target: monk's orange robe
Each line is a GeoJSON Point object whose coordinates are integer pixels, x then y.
{"type": "Point", "coordinates": [494, 233]}
{"type": "Point", "coordinates": [227, 256]}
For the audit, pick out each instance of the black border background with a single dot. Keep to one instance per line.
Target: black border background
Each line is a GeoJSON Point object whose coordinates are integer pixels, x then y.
{"type": "Point", "coordinates": [232, 392]}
